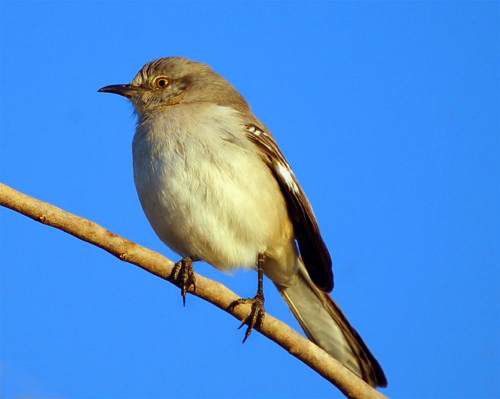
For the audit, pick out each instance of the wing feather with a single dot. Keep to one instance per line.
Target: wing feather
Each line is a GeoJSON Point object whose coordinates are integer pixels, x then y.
{"type": "Point", "coordinates": [312, 248]}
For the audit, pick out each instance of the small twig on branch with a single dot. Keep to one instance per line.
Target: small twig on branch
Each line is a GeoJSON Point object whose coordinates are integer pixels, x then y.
{"type": "Point", "coordinates": [219, 295]}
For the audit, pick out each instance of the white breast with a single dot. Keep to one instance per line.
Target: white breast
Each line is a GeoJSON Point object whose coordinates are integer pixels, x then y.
{"type": "Point", "coordinates": [204, 188]}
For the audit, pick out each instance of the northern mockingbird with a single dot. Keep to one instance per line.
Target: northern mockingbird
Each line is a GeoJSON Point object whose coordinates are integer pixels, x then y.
{"type": "Point", "coordinates": [216, 187]}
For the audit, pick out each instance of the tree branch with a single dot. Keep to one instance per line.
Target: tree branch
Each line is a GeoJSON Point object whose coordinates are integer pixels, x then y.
{"type": "Point", "coordinates": [219, 295]}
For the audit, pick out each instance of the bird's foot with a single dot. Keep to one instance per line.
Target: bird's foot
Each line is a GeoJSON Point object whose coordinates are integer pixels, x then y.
{"type": "Point", "coordinates": [256, 315]}
{"type": "Point", "coordinates": [183, 275]}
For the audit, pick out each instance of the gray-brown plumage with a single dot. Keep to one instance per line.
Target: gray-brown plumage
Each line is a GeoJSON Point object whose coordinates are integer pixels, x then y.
{"type": "Point", "coordinates": [216, 187]}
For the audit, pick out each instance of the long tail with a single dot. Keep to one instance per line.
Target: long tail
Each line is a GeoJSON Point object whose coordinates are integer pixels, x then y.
{"type": "Point", "coordinates": [324, 324]}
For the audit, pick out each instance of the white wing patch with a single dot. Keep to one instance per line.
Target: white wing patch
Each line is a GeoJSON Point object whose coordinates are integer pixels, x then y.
{"type": "Point", "coordinates": [280, 167]}
{"type": "Point", "coordinates": [254, 129]}
{"type": "Point", "coordinates": [287, 175]}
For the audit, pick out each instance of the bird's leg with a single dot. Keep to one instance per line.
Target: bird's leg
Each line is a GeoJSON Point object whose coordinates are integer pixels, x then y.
{"type": "Point", "coordinates": [257, 312]}
{"type": "Point", "coordinates": [183, 275]}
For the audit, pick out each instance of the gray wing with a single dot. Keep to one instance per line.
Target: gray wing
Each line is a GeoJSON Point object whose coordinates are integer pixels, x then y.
{"type": "Point", "coordinates": [312, 248]}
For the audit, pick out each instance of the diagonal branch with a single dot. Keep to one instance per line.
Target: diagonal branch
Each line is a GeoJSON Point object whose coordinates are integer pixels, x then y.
{"type": "Point", "coordinates": [219, 295]}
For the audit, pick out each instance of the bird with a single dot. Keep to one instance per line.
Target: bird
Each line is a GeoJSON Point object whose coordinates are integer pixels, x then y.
{"type": "Point", "coordinates": [216, 187]}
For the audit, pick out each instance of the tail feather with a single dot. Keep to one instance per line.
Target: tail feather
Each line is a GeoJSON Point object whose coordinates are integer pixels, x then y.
{"type": "Point", "coordinates": [325, 324]}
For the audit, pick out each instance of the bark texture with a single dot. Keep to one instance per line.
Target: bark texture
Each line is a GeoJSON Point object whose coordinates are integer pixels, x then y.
{"type": "Point", "coordinates": [209, 290]}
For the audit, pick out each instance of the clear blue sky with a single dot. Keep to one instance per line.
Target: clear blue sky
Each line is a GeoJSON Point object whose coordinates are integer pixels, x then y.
{"type": "Point", "coordinates": [389, 114]}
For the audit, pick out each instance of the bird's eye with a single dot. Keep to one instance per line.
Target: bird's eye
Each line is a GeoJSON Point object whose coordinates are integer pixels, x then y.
{"type": "Point", "coordinates": [161, 82]}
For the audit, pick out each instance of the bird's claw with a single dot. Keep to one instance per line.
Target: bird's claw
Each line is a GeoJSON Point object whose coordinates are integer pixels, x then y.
{"type": "Point", "coordinates": [183, 275]}
{"type": "Point", "coordinates": [256, 315]}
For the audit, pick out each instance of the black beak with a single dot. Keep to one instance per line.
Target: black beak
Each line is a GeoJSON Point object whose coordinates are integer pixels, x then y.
{"type": "Point", "coordinates": [123, 90]}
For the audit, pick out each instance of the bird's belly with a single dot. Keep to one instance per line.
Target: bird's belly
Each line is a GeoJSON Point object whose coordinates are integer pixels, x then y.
{"type": "Point", "coordinates": [222, 208]}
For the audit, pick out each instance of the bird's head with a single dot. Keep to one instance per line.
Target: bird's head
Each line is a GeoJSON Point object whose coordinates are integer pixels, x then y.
{"type": "Point", "coordinates": [176, 80]}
